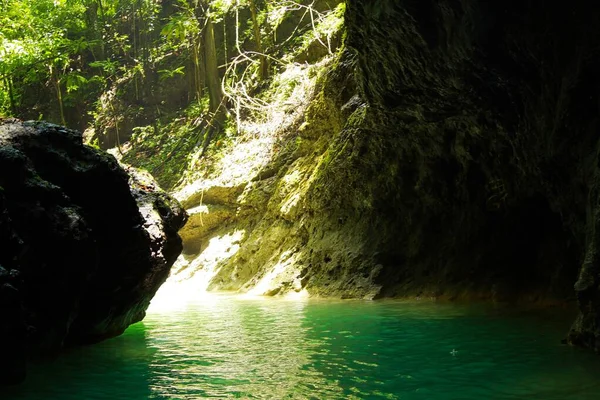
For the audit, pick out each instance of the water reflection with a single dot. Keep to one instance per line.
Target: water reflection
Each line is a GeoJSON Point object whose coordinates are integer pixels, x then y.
{"type": "Point", "coordinates": [233, 347]}
{"type": "Point", "coordinates": [252, 348]}
{"type": "Point", "coordinates": [113, 370]}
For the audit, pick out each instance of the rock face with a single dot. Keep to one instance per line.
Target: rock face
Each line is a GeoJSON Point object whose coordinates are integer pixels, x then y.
{"type": "Point", "coordinates": [452, 151]}
{"type": "Point", "coordinates": [485, 118]}
{"type": "Point", "coordinates": [82, 253]}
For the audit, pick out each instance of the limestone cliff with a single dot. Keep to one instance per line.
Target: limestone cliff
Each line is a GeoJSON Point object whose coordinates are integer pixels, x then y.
{"type": "Point", "coordinates": [450, 151]}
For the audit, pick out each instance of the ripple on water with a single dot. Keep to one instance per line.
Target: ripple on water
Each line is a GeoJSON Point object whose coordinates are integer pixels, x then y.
{"type": "Point", "coordinates": [230, 347]}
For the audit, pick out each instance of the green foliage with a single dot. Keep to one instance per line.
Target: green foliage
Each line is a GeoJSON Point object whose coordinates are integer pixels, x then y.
{"type": "Point", "coordinates": [181, 30]}
{"type": "Point", "coordinates": [37, 39]}
{"type": "Point", "coordinates": [122, 63]}
{"type": "Point", "coordinates": [329, 24]}
{"type": "Point", "coordinates": [74, 81]}
{"type": "Point", "coordinates": [108, 67]}
{"type": "Point", "coordinates": [164, 149]}
{"type": "Point", "coordinates": [69, 48]}
{"type": "Point", "coordinates": [170, 73]}
{"type": "Point", "coordinates": [219, 8]}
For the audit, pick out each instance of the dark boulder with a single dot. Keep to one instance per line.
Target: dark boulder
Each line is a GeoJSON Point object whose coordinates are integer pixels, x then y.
{"type": "Point", "coordinates": [83, 244]}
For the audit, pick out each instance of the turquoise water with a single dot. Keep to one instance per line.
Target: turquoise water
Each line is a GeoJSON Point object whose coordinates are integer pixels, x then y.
{"type": "Point", "coordinates": [230, 347]}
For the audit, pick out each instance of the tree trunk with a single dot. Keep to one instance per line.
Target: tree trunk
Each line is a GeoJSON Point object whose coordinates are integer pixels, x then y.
{"type": "Point", "coordinates": [264, 64]}
{"type": "Point", "coordinates": [11, 95]}
{"type": "Point", "coordinates": [55, 78]}
{"type": "Point", "coordinates": [100, 29]}
{"type": "Point", "coordinates": [212, 70]}
{"type": "Point", "coordinates": [198, 77]}
{"type": "Point", "coordinates": [213, 81]}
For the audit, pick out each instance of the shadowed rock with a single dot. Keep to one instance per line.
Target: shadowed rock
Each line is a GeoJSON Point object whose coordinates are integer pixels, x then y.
{"type": "Point", "coordinates": [83, 245]}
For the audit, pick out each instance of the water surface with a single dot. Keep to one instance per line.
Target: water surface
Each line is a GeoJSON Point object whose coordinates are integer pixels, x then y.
{"type": "Point", "coordinates": [230, 347]}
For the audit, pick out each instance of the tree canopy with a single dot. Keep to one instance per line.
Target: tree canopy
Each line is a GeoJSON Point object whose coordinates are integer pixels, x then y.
{"type": "Point", "coordinates": [124, 67]}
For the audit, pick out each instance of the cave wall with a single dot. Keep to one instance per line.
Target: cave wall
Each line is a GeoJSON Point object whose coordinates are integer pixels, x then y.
{"type": "Point", "coordinates": [450, 152]}
{"type": "Point", "coordinates": [471, 143]}
{"type": "Point", "coordinates": [477, 148]}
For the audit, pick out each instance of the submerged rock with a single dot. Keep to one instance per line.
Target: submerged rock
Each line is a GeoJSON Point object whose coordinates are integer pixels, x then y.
{"type": "Point", "coordinates": [82, 251]}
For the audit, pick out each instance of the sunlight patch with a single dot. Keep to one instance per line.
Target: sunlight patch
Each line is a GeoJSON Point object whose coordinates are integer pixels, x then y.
{"type": "Point", "coordinates": [190, 280]}
{"type": "Point", "coordinates": [272, 279]}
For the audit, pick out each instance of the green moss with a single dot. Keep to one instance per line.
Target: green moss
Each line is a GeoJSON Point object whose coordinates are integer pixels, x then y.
{"type": "Point", "coordinates": [326, 28]}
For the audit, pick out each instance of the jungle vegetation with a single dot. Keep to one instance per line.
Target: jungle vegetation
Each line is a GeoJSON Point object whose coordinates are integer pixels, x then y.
{"type": "Point", "coordinates": [169, 75]}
